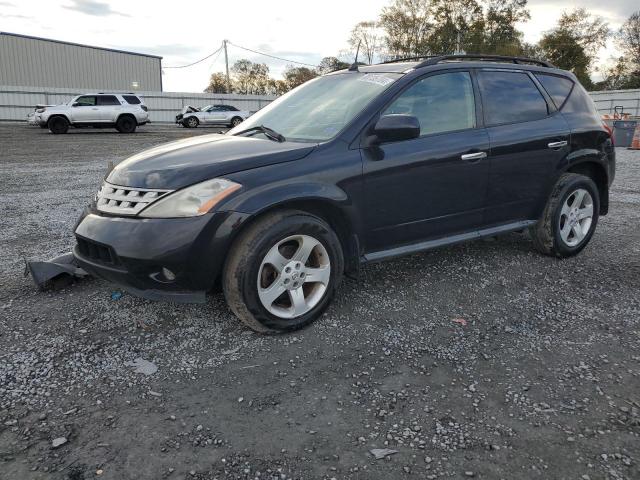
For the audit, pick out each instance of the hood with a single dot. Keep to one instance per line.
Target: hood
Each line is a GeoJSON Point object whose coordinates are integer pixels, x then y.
{"type": "Point", "coordinates": [185, 162]}
{"type": "Point", "coordinates": [190, 109]}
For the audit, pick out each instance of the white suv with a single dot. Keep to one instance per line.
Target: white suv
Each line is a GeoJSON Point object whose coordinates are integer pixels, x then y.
{"type": "Point", "coordinates": [123, 111]}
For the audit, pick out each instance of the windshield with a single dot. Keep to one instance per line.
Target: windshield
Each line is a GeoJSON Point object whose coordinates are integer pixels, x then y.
{"type": "Point", "coordinates": [317, 110]}
{"type": "Point", "coordinates": [205, 108]}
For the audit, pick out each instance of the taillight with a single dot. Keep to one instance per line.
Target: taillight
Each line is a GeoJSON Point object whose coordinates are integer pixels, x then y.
{"type": "Point", "coordinates": [144, 107]}
{"type": "Point", "coordinates": [609, 131]}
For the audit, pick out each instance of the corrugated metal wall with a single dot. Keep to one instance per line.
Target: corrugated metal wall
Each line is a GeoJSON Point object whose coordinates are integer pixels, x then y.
{"type": "Point", "coordinates": [17, 102]}
{"type": "Point", "coordinates": [28, 61]}
{"type": "Point", "coordinates": [607, 100]}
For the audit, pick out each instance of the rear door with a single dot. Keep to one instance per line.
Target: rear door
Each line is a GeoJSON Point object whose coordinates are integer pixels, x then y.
{"type": "Point", "coordinates": [435, 185]}
{"type": "Point", "coordinates": [528, 137]}
{"type": "Point", "coordinates": [109, 108]}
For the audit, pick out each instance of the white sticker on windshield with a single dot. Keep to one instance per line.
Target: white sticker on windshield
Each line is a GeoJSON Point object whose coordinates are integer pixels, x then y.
{"type": "Point", "coordinates": [375, 78]}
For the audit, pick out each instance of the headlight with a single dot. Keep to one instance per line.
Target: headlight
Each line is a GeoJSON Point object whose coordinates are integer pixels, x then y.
{"type": "Point", "coordinates": [191, 201]}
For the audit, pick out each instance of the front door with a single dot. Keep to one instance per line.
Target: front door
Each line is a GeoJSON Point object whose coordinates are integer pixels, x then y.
{"type": "Point", "coordinates": [85, 109]}
{"type": "Point", "coordinates": [435, 185]}
{"type": "Point", "coordinates": [528, 137]}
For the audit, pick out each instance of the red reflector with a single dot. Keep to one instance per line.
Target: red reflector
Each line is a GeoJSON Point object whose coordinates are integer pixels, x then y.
{"type": "Point", "coordinates": [609, 131]}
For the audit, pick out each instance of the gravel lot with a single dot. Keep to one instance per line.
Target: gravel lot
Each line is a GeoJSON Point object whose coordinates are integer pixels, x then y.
{"type": "Point", "coordinates": [541, 382]}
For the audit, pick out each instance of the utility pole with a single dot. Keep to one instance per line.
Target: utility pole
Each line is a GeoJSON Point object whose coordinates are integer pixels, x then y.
{"type": "Point", "coordinates": [226, 62]}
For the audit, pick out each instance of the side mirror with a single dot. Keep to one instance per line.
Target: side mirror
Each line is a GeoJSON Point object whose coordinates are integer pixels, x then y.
{"type": "Point", "coordinates": [75, 104]}
{"type": "Point", "coordinates": [396, 127]}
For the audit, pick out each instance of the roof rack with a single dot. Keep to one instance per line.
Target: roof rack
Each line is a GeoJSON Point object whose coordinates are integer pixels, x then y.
{"type": "Point", "coordinates": [492, 58]}
{"type": "Point", "coordinates": [408, 59]}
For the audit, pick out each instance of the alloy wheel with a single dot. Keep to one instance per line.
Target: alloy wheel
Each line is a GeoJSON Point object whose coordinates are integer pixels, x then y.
{"type": "Point", "coordinates": [576, 217]}
{"type": "Point", "coordinates": [293, 276]}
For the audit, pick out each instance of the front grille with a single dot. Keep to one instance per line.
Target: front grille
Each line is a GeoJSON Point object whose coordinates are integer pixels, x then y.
{"type": "Point", "coordinates": [119, 200]}
{"type": "Point", "coordinates": [97, 252]}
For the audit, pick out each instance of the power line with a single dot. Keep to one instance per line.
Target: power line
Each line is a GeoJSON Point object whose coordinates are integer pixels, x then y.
{"type": "Point", "coordinates": [196, 62]}
{"type": "Point", "coordinates": [271, 56]}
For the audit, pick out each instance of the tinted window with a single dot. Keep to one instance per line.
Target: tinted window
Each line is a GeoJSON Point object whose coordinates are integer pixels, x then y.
{"type": "Point", "coordinates": [558, 88]}
{"type": "Point", "coordinates": [108, 100]}
{"type": "Point", "coordinates": [231, 108]}
{"type": "Point", "coordinates": [86, 101]}
{"type": "Point", "coordinates": [442, 103]}
{"type": "Point", "coordinates": [131, 99]}
{"type": "Point", "coordinates": [510, 97]}
{"type": "Point", "coordinates": [580, 102]}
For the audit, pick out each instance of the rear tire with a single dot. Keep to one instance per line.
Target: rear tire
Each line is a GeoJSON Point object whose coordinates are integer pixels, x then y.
{"type": "Point", "coordinates": [58, 125]}
{"type": "Point", "coordinates": [569, 218]}
{"type": "Point", "coordinates": [126, 124]}
{"type": "Point", "coordinates": [292, 254]}
{"type": "Point", "coordinates": [235, 121]}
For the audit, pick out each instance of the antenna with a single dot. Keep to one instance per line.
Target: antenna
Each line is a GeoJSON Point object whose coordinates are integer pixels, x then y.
{"type": "Point", "coordinates": [354, 65]}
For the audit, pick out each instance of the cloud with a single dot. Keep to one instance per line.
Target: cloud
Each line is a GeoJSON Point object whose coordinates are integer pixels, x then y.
{"type": "Point", "coordinates": [617, 11]}
{"type": "Point", "coordinates": [93, 7]}
{"type": "Point", "coordinates": [6, 4]}
{"type": "Point", "coordinates": [23, 17]}
{"type": "Point", "coordinates": [166, 50]}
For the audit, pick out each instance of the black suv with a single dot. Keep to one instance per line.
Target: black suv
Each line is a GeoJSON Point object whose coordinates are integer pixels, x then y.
{"type": "Point", "coordinates": [353, 167]}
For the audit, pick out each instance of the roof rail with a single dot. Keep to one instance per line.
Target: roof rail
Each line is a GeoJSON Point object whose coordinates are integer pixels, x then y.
{"type": "Point", "coordinates": [407, 59]}
{"type": "Point", "coordinates": [492, 58]}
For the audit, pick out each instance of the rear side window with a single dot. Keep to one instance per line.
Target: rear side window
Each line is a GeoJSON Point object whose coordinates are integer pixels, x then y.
{"type": "Point", "coordinates": [558, 88]}
{"type": "Point", "coordinates": [442, 103]}
{"type": "Point", "coordinates": [108, 100]}
{"type": "Point", "coordinates": [580, 102]}
{"type": "Point", "coordinates": [510, 97]}
{"type": "Point", "coordinates": [131, 99]}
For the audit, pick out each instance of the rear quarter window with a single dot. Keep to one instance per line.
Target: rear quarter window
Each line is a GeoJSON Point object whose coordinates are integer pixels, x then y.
{"type": "Point", "coordinates": [510, 97]}
{"type": "Point", "coordinates": [579, 101]}
{"type": "Point", "coordinates": [558, 88]}
{"type": "Point", "coordinates": [132, 99]}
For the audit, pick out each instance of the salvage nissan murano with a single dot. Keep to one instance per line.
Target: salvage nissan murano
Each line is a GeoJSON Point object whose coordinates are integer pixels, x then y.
{"type": "Point", "coordinates": [357, 166]}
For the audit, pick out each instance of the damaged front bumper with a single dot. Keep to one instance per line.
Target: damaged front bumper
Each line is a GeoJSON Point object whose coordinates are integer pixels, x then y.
{"type": "Point", "coordinates": [176, 259]}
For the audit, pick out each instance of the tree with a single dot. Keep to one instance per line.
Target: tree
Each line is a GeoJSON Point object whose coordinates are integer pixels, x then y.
{"type": "Point", "coordinates": [366, 35]}
{"type": "Point", "coordinates": [619, 76]}
{"type": "Point", "coordinates": [501, 37]}
{"type": "Point", "coordinates": [407, 25]}
{"type": "Point", "coordinates": [563, 50]}
{"type": "Point", "coordinates": [574, 43]}
{"type": "Point", "coordinates": [217, 83]}
{"type": "Point", "coordinates": [457, 26]}
{"type": "Point", "coordinates": [294, 76]}
{"type": "Point", "coordinates": [628, 38]}
{"type": "Point", "coordinates": [250, 78]}
{"type": "Point", "coordinates": [330, 64]}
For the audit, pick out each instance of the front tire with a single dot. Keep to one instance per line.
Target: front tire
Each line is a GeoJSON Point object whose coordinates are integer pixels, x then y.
{"type": "Point", "coordinates": [282, 272]}
{"type": "Point", "coordinates": [569, 218]}
{"type": "Point", "coordinates": [58, 125]}
{"type": "Point", "coordinates": [191, 122]}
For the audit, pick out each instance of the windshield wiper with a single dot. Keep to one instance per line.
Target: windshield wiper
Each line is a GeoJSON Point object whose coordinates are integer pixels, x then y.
{"type": "Point", "coordinates": [268, 132]}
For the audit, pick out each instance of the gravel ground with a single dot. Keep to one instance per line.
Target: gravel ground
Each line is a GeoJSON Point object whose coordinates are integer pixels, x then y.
{"type": "Point", "coordinates": [482, 360]}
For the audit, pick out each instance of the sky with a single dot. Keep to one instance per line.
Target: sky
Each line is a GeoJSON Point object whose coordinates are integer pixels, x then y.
{"type": "Point", "coordinates": [185, 31]}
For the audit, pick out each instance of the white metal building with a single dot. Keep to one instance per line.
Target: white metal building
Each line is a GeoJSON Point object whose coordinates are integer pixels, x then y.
{"type": "Point", "coordinates": [39, 62]}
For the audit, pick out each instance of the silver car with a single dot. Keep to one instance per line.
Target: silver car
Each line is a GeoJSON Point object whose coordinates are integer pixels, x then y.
{"type": "Point", "coordinates": [226, 115]}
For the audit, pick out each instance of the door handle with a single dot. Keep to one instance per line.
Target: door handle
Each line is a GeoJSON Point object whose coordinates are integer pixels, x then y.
{"type": "Point", "coordinates": [94, 108]}
{"type": "Point", "coordinates": [473, 156]}
{"type": "Point", "coordinates": [560, 144]}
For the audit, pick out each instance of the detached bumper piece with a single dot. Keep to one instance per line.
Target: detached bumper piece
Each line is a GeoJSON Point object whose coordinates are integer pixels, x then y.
{"type": "Point", "coordinates": [55, 273]}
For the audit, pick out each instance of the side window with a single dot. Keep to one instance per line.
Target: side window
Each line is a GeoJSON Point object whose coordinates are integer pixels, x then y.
{"type": "Point", "coordinates": [580, 102]}
{"type": "Point", "coordinates": [131, 99]}
{"type": "Point", "coordinates": [231, 108]}
{"type": "Point", "coordinates": [510, 97]}
{"type": "Point", "coordinates": [558, 88]}
{"type": "Point", "coordinates": [108, 100]}
{"type": "Point", "coordinates": [86, 101]}
{"type": "Point", "coordinates": [442, 103]}
{"type": "Point", "coordinates": [216, 108]}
